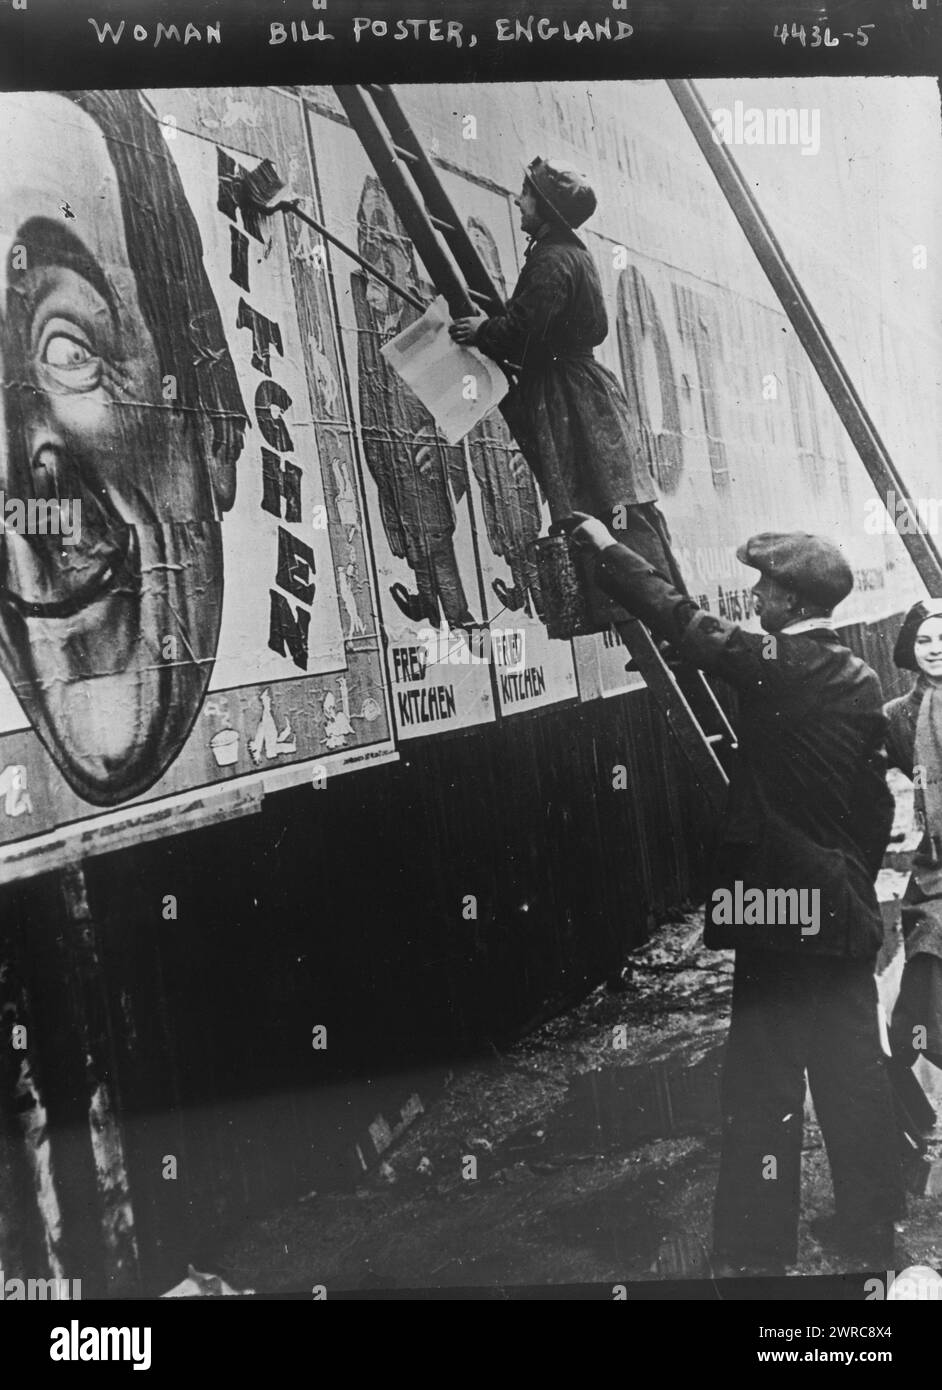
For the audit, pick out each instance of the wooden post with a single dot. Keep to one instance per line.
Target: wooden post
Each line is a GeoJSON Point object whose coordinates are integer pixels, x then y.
{"type": "Point", "coordinates": [14, 1260]}
{"type": "Point", "coordinates": [30, 1219]}
{"type": "Point", "coordinates": [80, 965]}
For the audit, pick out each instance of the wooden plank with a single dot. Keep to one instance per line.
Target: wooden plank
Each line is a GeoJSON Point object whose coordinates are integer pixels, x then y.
{"type": "Point", "coordinates": [60, 849]}
{"type": "Point", "coordinates": [34, 1138]}
{"type": "Point", "coordinates": [16, 1248]}
{"type": "Point", "coordinates": [172, 815]}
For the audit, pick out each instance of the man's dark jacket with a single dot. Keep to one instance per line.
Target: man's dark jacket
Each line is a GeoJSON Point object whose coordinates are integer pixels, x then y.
{"type": "Point", "coordinates": [808, 804]}
{"type": "Point", "coordinates": [567, 412]}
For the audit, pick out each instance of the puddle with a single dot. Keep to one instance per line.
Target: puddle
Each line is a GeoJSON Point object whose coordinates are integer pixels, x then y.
{"type": "Point", "coordinates": [621, 1107]}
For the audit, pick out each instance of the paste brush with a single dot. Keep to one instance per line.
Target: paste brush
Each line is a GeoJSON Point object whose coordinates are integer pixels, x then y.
{"type": "Point", "coordinates": [262, 191]}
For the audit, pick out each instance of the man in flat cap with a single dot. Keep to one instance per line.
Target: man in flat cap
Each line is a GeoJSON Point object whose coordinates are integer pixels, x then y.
{"type": "Point", "coordinates": [806, 825]}
{"type": "Point", "coordinates": [567, 411]}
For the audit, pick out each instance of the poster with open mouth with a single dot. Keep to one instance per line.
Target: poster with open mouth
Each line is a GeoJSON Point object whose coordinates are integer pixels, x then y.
{"type": "Point", "coordinates": [185, 592]}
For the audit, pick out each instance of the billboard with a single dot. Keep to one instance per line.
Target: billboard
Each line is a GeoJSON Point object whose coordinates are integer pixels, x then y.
{"type": "Point", "coordinates": [237, 553]}
{"type": "Point", "coordinates": [186, 599]}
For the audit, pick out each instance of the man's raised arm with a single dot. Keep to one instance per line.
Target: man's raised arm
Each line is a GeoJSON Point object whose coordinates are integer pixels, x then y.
{"type": "Point", "coordinates": [701, 638]}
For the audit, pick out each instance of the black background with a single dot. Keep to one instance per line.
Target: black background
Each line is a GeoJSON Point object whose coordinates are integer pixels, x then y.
{"type": "Point", "coordinates": [52, 44]}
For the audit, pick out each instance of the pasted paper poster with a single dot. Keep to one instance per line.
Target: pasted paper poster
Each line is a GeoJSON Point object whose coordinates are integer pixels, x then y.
{"type": "Point", "coordinates": [193, 630]}
{"type": "Point", "coordinates": [417, 485]}
{"type": "Point", "coordinates": [457, 385]}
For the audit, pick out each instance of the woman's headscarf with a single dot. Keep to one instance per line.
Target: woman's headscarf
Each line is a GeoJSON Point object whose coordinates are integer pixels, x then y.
{"type": "Point", "coordinates": [904, 653]}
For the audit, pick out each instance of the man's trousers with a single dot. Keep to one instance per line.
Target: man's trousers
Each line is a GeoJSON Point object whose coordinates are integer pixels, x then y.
{"type": "Point", "coordinates": [792, 1015]}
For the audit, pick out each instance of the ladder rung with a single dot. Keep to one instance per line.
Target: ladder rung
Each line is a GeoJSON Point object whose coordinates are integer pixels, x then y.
{"type": "Point", "coordinates": [669, 695]}
{"type": "Point", "coordinates": [418, 197]}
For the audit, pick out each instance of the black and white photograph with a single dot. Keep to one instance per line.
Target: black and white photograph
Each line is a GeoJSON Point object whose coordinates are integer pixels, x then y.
{"type": "Point", "coordinates": [470, 620]}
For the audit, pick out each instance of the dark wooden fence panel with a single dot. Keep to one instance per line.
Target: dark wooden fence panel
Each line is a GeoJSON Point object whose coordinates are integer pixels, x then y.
{"type": "Point", "coordinates": [339, 907]}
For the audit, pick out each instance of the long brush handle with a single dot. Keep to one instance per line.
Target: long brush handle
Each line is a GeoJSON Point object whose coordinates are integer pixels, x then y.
{"type": "Point", "coordinates": [293, 207]}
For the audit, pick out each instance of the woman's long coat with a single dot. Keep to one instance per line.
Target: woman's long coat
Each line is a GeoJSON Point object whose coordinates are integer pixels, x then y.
{"type": "Point", "coordinates": [568, 412]}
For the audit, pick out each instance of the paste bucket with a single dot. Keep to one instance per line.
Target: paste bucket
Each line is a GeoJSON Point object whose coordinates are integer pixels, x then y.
{"type": "Point", "coordinates": [565, 602]}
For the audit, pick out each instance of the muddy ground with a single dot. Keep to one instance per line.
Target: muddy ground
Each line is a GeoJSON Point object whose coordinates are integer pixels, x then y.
{"type": "Point", "coordinates": [588, 1152]}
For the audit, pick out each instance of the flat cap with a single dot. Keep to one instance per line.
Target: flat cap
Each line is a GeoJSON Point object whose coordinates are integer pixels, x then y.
{"type": "Point", "coordinates": [812, 567]}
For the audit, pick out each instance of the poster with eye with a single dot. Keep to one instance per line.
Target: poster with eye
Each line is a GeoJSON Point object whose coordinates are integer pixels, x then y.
{"type": "Point", "coordinates": [185, 587]}
{"type": "Point", "coordinates": [418, 488]}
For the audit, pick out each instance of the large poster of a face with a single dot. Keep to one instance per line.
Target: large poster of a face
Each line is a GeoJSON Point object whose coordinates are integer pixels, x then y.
{"type": "Point", "coordinates": [157, 436]}
{"type": "Point", "coordinates": [108, 641]}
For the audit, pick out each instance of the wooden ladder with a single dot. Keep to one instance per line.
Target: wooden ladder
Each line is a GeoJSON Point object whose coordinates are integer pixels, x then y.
{"type": "Point", "coordinates": [455, 268]}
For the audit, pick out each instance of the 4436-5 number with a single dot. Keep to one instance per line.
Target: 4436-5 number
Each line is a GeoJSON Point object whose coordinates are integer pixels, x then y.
{"type": "Point", "coordinates": [815, 36]}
